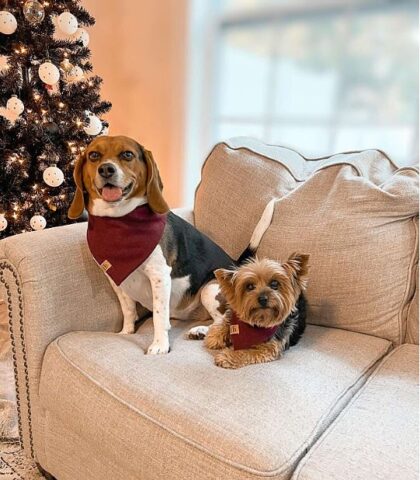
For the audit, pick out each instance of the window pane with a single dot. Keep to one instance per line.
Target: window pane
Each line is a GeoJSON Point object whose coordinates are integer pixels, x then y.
{"type": "Point", "coordinates": [307, 69]}
{"type": "Point", "coordinates": [227, 130]}
{"type": "Point", "coordinates": [396, 141]}
{"type": "Point", "coordinates": [380, 74]}
{"type": "Point", "coordinates": [246, 5]}
{"type": "Point", "coordinates": [308, 140]}
{"type": "Point", "coordinates": [243, 71]}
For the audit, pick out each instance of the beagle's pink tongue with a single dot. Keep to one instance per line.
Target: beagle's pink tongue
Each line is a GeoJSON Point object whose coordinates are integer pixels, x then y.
{"type": "Point", "coordinates": [111, 194]}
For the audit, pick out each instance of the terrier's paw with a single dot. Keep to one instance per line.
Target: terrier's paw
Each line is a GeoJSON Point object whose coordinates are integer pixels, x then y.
{"type": "Point", "coordinates": [158, 347]}
{"type": "Point", "coordinates": [197, 333]}
{"type": "Point", "coordinates": [217, 337]}
{"type": "Point", "coordinates": [226, 359]}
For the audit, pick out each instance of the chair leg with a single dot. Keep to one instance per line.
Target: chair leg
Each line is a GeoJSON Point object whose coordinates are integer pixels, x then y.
{"type": "Point", "coordinates": [47, 475]}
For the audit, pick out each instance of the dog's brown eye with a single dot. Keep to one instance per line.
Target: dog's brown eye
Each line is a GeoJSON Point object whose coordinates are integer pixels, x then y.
{"type": "Point", "coordinates": [94, 156]}
{"type": "Point", "coordinates": [127, 155]}
{"type": "Point", "coordinates": [250, 286]}
{"type": "Point", "coordinates": [274, 284]}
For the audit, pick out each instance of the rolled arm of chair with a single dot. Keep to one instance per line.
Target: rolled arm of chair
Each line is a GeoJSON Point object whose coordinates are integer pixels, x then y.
{"type": "Point", "coordinates": [51, 286]}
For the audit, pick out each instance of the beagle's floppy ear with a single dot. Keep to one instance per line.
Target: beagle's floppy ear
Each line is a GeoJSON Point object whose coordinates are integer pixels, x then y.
{"type": "Point", "coordinates": [154, 185]}
{"type": "Point", "coordinates": [78, 204]}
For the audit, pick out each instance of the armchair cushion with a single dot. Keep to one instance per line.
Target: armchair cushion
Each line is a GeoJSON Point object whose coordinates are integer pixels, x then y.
{"type": "Point", "coordinates": [377, 436]}
{"type": "Point", "coordinates": [354, 213]}
{"type": "Point", "coordinates": [115, 409]}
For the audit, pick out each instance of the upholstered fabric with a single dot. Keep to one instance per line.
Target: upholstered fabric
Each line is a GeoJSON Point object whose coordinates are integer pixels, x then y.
{"type": "Point", "coordinates": [236, 185]}
{"type": "Point", "coordinates": [179, 416]}
{"type": "Point", "coordinates": [377, 436]}
{"type": "Point", "coordinates": [354, 213]}
{"type": "Point", "coordinates": [412, 335]}
{"type": "Point", "coordinates": [412, 332]}
{"type": "Point", "coordinates": [362, 242]}
{"type": "Point", "coordinates": [54, 287]}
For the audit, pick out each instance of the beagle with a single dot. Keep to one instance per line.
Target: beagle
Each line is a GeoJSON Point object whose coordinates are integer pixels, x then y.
{"type": "Point", "coordinates": [149, 254]}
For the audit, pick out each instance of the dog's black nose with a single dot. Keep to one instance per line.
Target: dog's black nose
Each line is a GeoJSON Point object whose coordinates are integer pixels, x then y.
{"type": "Point", "coordinates": [263, 300]}
{"type": "Point", "coordinates": [106, 170]}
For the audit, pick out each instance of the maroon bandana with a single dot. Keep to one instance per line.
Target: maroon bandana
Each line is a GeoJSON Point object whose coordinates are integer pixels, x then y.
{"type": "Point", "coordinates": [245, 336]}
{"type": "Point", "coordinates": [119, 245]}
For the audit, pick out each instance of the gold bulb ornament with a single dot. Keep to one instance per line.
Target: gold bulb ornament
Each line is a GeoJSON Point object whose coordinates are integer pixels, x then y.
{"type": "Point", "coordinates": [33, 12]}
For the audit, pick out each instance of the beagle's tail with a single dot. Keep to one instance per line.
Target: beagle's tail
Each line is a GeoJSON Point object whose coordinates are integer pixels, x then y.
{"type": "Point", "coordinates": [262, 226]}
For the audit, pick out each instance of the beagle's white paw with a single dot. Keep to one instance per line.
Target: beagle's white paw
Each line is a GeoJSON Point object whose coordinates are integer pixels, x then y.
{"type": "Point", "coordinates": [126, 330]}
{"type": "Point", "coordinates": [159, 347]}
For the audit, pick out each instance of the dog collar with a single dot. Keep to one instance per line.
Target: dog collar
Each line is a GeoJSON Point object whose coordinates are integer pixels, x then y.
{"type": "Point", "coordinates": [121, 244]}
{"type": "Point", "coordinates": [245, 336]}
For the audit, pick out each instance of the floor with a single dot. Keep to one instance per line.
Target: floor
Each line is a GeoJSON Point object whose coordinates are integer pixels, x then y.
{"type": "Point", "coordinates": [15, 465]}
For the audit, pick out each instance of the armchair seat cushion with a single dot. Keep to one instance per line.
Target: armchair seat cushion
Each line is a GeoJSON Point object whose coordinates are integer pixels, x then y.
{"type": "Point", "coordinates": [376, 436]}
{"type": "Point", "coordinates": [117, 409]}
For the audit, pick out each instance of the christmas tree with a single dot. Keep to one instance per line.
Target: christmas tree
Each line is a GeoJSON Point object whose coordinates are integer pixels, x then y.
{"type": "Point", "coordinates": [50, 109]}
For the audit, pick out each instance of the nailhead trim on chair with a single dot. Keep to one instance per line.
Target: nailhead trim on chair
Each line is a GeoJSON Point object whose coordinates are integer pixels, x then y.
{"type": "Point", "coordinates": [7, 266]}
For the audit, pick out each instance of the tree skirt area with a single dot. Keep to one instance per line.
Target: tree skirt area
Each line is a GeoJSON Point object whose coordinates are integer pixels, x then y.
{"type": "Point", "coordinates": [8, 413]}
{"type": "Point", "coordinates": [14, 464]}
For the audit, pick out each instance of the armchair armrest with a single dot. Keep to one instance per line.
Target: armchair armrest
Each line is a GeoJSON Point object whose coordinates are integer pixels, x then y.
{"type": "Point", "coordinates": [51, 286]}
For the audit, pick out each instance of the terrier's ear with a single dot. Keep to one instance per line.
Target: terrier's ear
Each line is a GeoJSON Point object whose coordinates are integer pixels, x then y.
{"type": "Point", "coordinates": [78, 204]}
{"type": "Point", "coordinates": [154, 185]}
{"type": "Point", "coordinates": [225, 279]}
{"type": "Point", "coordinates": [297, 266]}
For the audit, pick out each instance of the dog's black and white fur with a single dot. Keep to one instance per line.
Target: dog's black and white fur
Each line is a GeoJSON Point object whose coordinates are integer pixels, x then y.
{"type": "Point", "coordinates": [177, 279]}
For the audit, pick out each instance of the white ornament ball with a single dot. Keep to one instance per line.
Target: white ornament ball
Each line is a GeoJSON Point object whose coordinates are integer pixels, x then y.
{"type": "Point", "coordinates": [38, 222]}
{"type": "Point", "coordinates": [49, 73]}
{"type": "Point", "coordinates": [15, 105]}
{"type": "Point", "coordinates": [4, 63]}
{"type": "Point", "coordinates": [75, 74]}
{"type": "Point", "coordinates": [67, 23]}
{"type": "Point", "coordinates": [53, 176]}
{"type": "Point", "coordinates": [81, 35]}
{"type": "Point", "coordinates": [3, 223]}
{"type": "Point", "coordinates": [94, 126]}
{"type": "Point", "coordinates": [8, 23]}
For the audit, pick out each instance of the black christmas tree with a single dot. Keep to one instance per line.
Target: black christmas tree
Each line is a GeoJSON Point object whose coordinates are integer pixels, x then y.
{"type": "Point", "coordinates": [50, 108]}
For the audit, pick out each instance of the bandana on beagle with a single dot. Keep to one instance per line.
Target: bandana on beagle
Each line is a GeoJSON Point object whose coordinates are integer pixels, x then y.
{"type": "Point", "coordinates": [150, 255]}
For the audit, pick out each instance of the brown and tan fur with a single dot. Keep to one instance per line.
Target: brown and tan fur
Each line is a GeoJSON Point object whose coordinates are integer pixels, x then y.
{"type": "Point", "coordinates": [141, 171]}
{"type": "Point", "coordinates": [242, 289]}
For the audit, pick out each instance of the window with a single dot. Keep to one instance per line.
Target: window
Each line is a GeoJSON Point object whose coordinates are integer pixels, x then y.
{"type": "Point", "coordinates": [321, 77]}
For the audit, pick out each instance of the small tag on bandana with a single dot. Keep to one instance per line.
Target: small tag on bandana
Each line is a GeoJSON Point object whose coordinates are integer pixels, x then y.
{"type": "Point", "coordinates": [234, 329]}
{"type": "Point", "coordinates": [105, 265]}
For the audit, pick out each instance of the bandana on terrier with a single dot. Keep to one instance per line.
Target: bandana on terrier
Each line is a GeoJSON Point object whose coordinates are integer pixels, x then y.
{"type": "Point", "coordinates": [120, 244]}
{"type": "Point", "coordinates": [244, 336]}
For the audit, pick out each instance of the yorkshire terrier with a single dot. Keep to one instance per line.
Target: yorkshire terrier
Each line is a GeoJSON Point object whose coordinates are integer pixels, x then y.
{"type": "Point", "coordinates": [265, 311]}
